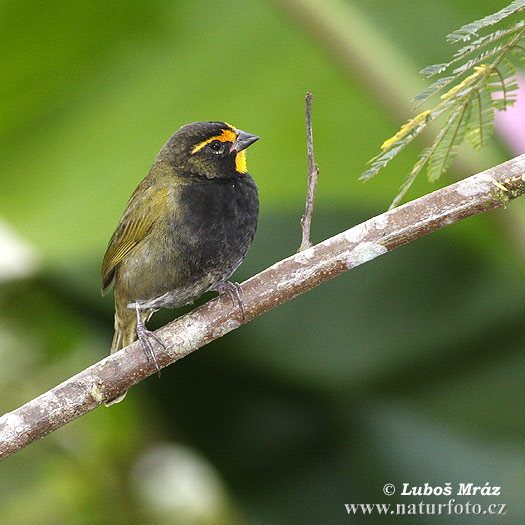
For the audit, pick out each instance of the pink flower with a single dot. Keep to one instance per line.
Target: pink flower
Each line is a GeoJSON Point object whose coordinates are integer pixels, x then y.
{"type": "Point", "coordinates": [510, 124]}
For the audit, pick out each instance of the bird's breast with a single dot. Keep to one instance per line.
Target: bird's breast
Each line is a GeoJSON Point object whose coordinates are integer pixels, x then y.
{"type": "Point", "coordinates": [220, 215]}
{"type": "Point", "coordinates": [201, 244]}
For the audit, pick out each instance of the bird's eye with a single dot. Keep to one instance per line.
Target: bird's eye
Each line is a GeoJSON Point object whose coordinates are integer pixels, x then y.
{"type": "Point", "coordinates": [217, 146]}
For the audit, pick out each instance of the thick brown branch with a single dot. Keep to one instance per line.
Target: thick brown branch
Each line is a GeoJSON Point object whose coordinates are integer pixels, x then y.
{"type": "Point", "coordinates": [270, 288]}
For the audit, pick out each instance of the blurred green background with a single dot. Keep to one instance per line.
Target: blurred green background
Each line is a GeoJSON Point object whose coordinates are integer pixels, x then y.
{"type": "Point", "coordinates": [408, 369]}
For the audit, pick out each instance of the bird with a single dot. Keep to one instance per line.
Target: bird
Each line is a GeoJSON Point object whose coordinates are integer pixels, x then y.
{"type": "Point", "coordinates": [186, 228]}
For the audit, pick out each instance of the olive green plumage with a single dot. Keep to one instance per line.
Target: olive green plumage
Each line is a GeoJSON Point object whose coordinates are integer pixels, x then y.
{"type": "Point", "coordinates": [186, 228]}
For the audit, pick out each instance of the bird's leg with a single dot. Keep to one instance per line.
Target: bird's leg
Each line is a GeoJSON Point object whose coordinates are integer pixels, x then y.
{"type": "Point", "coordinates": [143, 334]}
{"type": "Point", "coordinates": [234, 292]}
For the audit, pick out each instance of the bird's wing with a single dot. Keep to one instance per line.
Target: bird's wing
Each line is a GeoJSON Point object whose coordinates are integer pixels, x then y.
{"type": "Point", "coordinates": [143, 210]}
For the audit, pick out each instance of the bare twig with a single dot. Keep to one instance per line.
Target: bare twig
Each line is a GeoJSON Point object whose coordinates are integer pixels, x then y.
{"type": "Point", "coordinates": [281, 282]}
{"type": "Point", "coordinates": [313, 173]}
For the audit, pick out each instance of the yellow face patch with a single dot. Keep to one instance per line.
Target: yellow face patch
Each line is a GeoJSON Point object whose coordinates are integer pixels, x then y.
{"type": "Point", "coordinates": [227, 135]}
{"type": "Point", "coordinates": [240, 162]}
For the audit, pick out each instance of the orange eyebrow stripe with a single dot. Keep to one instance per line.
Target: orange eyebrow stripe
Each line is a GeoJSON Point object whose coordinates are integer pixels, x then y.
{"type": "Point", "coordinates": [227, 135]}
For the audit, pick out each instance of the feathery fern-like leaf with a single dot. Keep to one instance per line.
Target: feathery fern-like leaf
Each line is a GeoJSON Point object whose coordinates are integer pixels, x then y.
{"type": "Point", "coordinates": [485, 40]}
{"type": "Point", "coordinates": [380, 161]}
{"type": "Point", "coordinates": [503, 81]}
{"type": "Point", "coordinates": [446, 143]}
{"type": "Point", "coordinates": [433, 88]}
{"type": "Point", "coordinates": [465, 33]}
{"type": "Point", "coordinates": [482, 121]}
{"type": "Point", "coordinates": [483, 69]}
{"type": "Point", "coordinates": [436, 69]}
{"type": "Point", "coordinates": [411, 177]}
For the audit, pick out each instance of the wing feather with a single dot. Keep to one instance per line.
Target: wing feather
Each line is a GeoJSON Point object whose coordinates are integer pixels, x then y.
{"type": "Point", "coordinates": [143, 210]}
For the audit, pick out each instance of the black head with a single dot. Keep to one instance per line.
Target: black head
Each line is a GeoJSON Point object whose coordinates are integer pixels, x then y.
{"type": "Point", "coordinates": [208, 149]}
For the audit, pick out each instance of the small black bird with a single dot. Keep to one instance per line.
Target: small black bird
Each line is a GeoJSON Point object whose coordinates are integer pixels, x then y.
{"type": "Point", "coordinates": [185, 230]}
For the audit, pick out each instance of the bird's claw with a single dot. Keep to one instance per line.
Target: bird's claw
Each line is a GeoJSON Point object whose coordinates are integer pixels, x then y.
{"type": "Point", "coordinates": [234, 292]}
{"type": "Point", "coordinates": [144, 334]}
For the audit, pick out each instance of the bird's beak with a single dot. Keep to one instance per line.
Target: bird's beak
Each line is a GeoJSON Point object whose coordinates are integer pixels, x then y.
{"type": "Point", "coordinates": [242, 141]}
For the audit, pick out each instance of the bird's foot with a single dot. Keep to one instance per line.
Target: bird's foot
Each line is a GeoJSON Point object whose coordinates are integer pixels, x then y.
{"type": "Point", "coordinates": [144, 334]}
{"type": "Point", "coordinates": [234, 292]}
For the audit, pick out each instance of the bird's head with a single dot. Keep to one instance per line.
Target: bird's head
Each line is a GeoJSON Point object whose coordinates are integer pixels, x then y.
{"type": "Point", "coordinates": [208, 149]}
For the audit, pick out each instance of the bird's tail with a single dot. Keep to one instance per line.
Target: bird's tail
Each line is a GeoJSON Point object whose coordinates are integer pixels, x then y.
{"type": "Point", "coordinates": [125, 329]}
{"type": "Point", "coordinates": [125, 334]}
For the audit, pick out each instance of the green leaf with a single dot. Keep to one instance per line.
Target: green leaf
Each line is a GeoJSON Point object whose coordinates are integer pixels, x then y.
{"type": "Point", "coordinates": [448, 140]}
{"type": "Point", "coordinates": [434, 88]}
{"type": "Point", "coordinates": [483, 68]}
{"type": "Point", "coordinates": [485, 40]}
{"type": "Point", "coordinates": [465, 33]}
{"type": "Point", "coordinates": [503, 81]}
{"type": "Point", "coordinates": [482, 118]}
{"type": "Point", "coordinates": [423, 157]}
{"type": "Point", "coordinates": [382, 160]}
{"type": "Point", "coordinates": [435, 69]}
